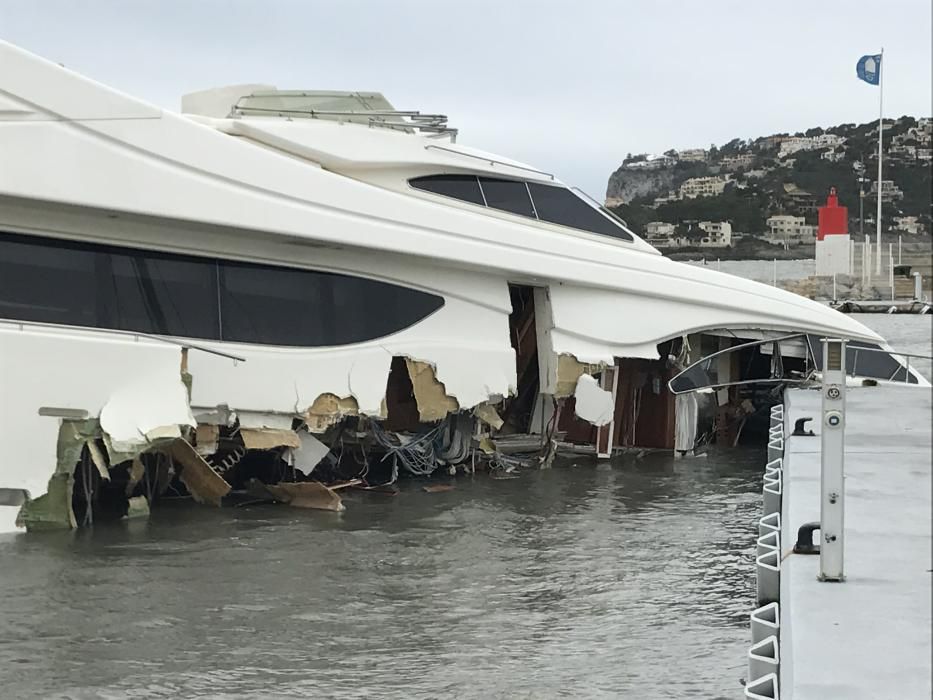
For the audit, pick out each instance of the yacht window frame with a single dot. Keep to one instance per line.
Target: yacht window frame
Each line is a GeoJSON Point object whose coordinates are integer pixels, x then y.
{"type": "Point", "coordinates": [609, 216]}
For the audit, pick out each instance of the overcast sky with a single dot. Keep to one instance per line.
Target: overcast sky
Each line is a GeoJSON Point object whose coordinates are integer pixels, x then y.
{"type": "Point", "coordinates": [569, 86]}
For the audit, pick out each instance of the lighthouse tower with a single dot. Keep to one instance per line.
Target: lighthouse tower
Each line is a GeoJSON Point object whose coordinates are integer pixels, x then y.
{"type": "Point", "coordinates": [832, 238]}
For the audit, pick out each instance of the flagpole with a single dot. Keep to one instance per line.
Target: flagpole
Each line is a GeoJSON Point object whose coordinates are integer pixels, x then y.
{"type": "Point", "coordinates": [880, 135]}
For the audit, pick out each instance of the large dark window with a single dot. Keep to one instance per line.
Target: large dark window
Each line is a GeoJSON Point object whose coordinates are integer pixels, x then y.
{"type": "Point", "coordinates": [507, 195]}
{"type": "Point", "coordinates": [554, 204]}
{"type": "Point", "coordinates": [558, 205]}
{"type": "Point", "coordinates": [277, 306]}
{"type": "Point", "coordinates": [462, 187]}
{"type": "Point", "coordinates": [78, 284]}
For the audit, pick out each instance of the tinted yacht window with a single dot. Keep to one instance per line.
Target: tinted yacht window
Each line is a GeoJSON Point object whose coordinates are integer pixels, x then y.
{"type": "Point", "coordinates": [507, 195]}
{"type": "Point", "coordinates": [96, 286]}
{"type": "Point", "coordinates": [462, 187]}
{"type": "Point", "coordinates": [279, 306]}
{"type": "Point", "coordinates": [559, 205]}
{"type": "Point", "coordinates": [51, 282]}
{"type": "Point", "coordinates": [157, 293]}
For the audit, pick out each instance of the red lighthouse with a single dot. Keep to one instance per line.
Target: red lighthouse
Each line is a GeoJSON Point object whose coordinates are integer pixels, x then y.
{"type": "Point", "coordinates": [834, 220]}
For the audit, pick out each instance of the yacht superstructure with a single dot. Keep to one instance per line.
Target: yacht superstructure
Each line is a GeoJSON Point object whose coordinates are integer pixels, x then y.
{"type": "Point", "coordinates": [281, 261]}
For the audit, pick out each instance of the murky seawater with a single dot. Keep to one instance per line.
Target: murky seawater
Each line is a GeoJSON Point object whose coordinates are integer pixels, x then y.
{"type": "Point", "coordinates": [627, 580]}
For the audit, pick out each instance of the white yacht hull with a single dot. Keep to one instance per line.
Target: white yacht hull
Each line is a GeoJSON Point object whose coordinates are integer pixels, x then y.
{"type": "Point", "coordinates": [82, 162]}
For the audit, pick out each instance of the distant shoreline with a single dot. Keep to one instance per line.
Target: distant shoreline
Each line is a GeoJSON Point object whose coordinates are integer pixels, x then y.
{"type": "Point", "coordinates": [754, 251]}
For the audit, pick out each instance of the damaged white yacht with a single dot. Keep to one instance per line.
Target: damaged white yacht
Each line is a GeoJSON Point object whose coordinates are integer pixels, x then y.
{"type": "Point", "coordinates": [271, 288]}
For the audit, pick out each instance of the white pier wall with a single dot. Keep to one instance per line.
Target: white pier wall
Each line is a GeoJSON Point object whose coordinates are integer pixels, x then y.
{"type": "Point", "coordinates": [869, 637]}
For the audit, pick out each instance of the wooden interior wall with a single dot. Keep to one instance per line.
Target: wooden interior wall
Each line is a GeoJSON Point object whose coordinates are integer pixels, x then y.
{"type": "Point", "coordinates": [643, 390]}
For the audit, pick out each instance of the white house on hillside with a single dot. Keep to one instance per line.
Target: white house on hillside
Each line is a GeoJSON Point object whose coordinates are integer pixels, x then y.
{"type": "Point", "coordinates": [703, 187]}
{"type": "Point", "coordinates": [692, 154]}
{"type": "Point", "coordinates": [719, 234]}
{"type": "Point", "coordinates": [790, 229]}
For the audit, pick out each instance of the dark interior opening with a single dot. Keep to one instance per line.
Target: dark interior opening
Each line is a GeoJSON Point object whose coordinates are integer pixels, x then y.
{"type": "Point", "coordinates": [518, 409]}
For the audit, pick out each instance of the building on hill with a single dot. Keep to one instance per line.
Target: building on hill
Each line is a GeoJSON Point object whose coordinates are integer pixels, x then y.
{"type": "Point", "coordinates": [659, 233]}
{"type": "Point", "coordinates": [671, 196]}
{"type": "Point", "coordinates": [718, 234]}
{"type": "Point", "coordinates": [785, 229]}
{"type": "Point", "coordinates": [651, 162]}
{"type": "Point", "coordinates": [798, 200]}
{"type": "Point", "coordinates": [809, 143]}
{"type": "Point", "coordinates": [692, 154]}
{"type": "Point", "coordinates": [889, 191]}
{"type": "Point", "coordinates": [902, 151]}
{"type": "Point", "coordinates": [743, 160]}
{"type": "Point", "coordinates": [908, 224]}
{"type": "Point", "coordinates": [703, 186]}
{"type": "Point", "coordinates": [833, 155]}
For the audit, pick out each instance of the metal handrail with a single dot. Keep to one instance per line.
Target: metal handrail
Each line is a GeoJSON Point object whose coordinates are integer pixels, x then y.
{"type": "Point", "coordinates": [491, 161]}
{"type": "Point", "coordinates": [891, 352]}
{"type": "Point", "coordinates": [183, 344]}
{"type": "Point", "coordinates": [435, 123]}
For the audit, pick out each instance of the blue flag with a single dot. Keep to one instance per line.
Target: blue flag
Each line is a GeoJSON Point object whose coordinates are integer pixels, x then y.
{"type": "Point", "coordinates": [868, 69]}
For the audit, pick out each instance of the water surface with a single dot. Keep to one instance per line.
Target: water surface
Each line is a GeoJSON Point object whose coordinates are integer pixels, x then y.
{"type": "Point", "coordinates": [633, 579]}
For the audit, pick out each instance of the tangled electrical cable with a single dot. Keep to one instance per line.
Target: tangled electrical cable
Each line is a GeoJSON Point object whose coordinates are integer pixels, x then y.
{"type": "Point", "coordinates": [417, 454]}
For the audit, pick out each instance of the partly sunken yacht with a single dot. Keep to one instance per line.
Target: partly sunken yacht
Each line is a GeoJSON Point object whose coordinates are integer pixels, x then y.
{"type": "Point", "coordinates": [198, 302]}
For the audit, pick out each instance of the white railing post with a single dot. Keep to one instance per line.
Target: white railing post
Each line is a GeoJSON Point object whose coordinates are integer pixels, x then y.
{"type": "Point", "coordinates": [832, 461]}
{"type": "Point", "coordinates": [891, 268]}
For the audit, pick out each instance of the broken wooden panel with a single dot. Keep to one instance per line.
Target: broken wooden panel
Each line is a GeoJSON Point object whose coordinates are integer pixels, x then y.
{"type": "Point", "coordinates": [268, 438]}
{"type": "Point", "coordinates": [306, 494]}
{"type": "Point", "coordinates": [136, 472]}
{"type": "Point", "coordinates": [206, 438]}
{"type": "Point", "coordinates": [204, 484]}
{"type": "Point", "coordinates": [97, 457]}
{"type": "Point", "coordinates": [487, 413]}
{"type": "Point", "coordinates": [329, 409]}
{"type": "Point", "coordinates": [569, 370]}
{"type": "Point", "coordinates": [433, 402]}
{"type": "Point", "coordinates": [609, 381]}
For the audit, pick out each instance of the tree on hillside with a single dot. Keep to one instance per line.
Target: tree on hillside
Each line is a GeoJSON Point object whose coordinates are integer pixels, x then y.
{"type": "Point", "coordinates": [734, 147]}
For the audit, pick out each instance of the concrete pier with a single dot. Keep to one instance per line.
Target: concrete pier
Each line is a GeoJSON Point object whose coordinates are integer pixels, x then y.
{"type": "Point", "coordinates": [868, 637]}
